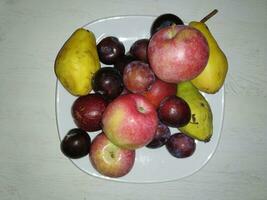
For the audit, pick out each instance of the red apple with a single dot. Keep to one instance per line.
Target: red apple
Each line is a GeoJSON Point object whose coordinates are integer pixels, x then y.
{"type": "Point", "coordinates": [109, 159]}
{"type": "Point", "coordinates": [87, 111]}
{"type": "Point", "coordinates": [178, 53]}
{"type": "Point", "coordinates": [158, 91]}
{"type": "Point", "coordinates": [130, 121]}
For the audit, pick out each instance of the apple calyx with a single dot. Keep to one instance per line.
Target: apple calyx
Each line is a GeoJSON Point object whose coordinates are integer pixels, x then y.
{"type": "Point", "coordinates": [141, 109]}
{"type": "Point", "coordinates": [111, 154]}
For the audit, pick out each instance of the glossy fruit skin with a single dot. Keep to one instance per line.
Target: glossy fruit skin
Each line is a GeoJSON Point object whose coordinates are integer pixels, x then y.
{"type": "Point", "coordinates": [110, 49]}
{"type": "Point", "coordinates": [76, 143]}
{"type": "Point", "coordinates": [180, 145]}
{"type": "Point", "coordinates": [87, 111]}
{"type": "Point", "coordinates": [130, 121]}
{"type": "Point", "coordinates": [158, 91]}
{"type": "Point", "coordinates": [163, 21]}
{"type": "Point", "coordinates": [139, 49]}
{"type": "Point", "coordinates": [109, 159]}
{"type": "Point", "coordinates": [178, 53]}
{"type": "Point", "coordinates": [122, 62]}
{"type": "Point", "coordinates": [174, 111]}
{"type": "Point", "coordinates": [108, 82]}
{"type": "Point", "coordinates": [138, 77]}
{"type": "Point", "coordinates": [161, 136]}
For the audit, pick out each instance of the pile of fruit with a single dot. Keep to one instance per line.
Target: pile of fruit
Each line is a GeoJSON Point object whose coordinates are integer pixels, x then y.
{"type": "Point", "coordinates": [134, 99]}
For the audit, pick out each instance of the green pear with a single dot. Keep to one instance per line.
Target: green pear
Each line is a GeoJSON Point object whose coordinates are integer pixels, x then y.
{"type": "Point", "coordinates": [77, 61]}
{"type": "Point", "coordinates": [200, 126]}
{"type": "Point", "coordinates": [212, 78]}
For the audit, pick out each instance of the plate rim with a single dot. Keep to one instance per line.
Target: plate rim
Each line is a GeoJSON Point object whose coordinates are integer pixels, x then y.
{"type": "Point", "coordinates": [115, 17]}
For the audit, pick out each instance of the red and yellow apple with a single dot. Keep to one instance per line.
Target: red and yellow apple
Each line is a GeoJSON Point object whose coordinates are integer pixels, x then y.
{"type": "Point", "coordinates": [178, 53]}
{"type": "Point", "coordinates": [130, 121]}
{"type": "Point", "coordinates": [109, 159]}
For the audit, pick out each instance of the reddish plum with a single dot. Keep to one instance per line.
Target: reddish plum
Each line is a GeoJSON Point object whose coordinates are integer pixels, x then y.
{"type": "Point", "coordinates": [87, 111]}
{"type": "Point", "coordinates": [138, 77]}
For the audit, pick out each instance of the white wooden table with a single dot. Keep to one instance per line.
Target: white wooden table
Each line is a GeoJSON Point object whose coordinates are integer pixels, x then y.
{"type": "Point", "coordinates": [31, 163]}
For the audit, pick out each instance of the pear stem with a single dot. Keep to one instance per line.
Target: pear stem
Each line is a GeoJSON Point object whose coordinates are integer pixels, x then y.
{"type": "Point", "coordinates": [211, 14]}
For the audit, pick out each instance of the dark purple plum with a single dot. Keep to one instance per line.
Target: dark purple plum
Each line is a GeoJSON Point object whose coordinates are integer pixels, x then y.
{"type": "Point", "coordinates": [139, 49]}
{"type": "Point", "coordinates": [110, 49]}
{"type": "Point", "coordinates": [123, 61]}
{"type": "Point", "coordinates": [174, 111]}
{"type": "Point", "coordinates": [76, 143]}
{"type": "Point", "coordinates": [163, 21]}
{"type": "Point", "coordinates": [108, 82]}
{"type": "Point", "coordinates": [161, 137]}
{"type": "Point", "coordinates": [180, 145]}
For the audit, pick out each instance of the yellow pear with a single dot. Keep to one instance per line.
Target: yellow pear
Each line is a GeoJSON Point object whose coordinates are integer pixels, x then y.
{"type": "Point", "coordinates": [200, 126]}
{"type": "Point", "coordinates": [77, 61]}
{"type": "Point", "coordinates": [212, 78]}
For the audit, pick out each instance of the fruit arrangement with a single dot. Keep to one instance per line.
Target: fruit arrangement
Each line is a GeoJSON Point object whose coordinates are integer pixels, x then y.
{"type": "Point", "coordinates": [129, 100]}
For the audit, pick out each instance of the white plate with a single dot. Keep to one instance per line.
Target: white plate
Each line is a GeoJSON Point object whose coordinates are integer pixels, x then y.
{"type": "Point", "coordinates": [151, 165]}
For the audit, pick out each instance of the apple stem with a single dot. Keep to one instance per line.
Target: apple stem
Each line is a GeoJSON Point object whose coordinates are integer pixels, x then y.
{"type": "Point", "coordinates": [206, 18]}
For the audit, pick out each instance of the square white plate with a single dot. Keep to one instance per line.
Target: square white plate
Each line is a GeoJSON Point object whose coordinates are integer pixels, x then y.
{"type": "Point", "coordinates": [151, 165]}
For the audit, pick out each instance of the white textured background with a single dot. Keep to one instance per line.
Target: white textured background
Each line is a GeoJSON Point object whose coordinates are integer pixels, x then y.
{"type": "Point", "coordinates": [31, 164]}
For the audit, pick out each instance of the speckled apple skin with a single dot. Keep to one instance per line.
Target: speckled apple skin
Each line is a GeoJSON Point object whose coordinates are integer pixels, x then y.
{"type": "Point", "coordinates": [109, 159]}
{"type": "Point", "coordinates": [178, 53]}
{"type": "Point", "coordinates": [130, 121]}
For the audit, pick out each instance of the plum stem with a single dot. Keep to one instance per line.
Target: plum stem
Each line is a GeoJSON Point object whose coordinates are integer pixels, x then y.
{"type": "Point", "coordinates": [207, 17]}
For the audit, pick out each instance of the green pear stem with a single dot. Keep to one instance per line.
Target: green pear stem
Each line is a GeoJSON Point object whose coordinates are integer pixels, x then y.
{"type": "Point", "coordinates": [211, 14]}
